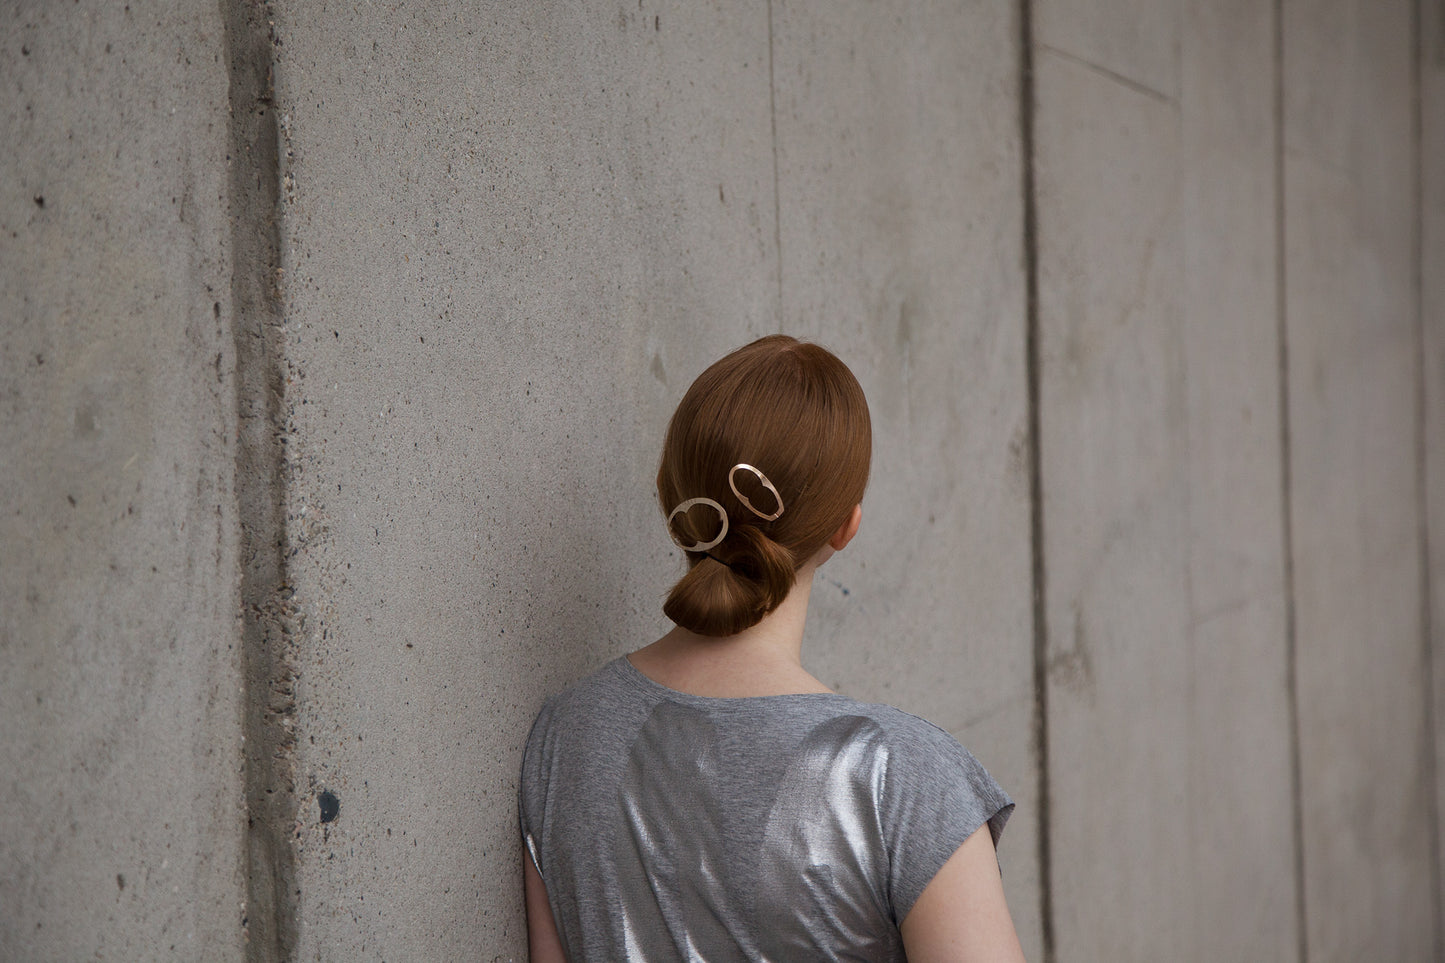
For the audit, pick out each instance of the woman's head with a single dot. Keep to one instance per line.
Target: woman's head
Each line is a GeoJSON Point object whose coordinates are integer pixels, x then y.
{"type": "Point", "coordinates": [796, 415]}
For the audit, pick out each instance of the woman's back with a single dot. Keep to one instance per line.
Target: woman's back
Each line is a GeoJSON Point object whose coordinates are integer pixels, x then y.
{"type": "Point", "coordinates": [673, 826]}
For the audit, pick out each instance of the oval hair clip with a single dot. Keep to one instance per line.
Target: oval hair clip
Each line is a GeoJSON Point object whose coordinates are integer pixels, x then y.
{"type": "Point", "coordinates": [744, 499]}
{"type": "Point", "coordinates": [699, 546]}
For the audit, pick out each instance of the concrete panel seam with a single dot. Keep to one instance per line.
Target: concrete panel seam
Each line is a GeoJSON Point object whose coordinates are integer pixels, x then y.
{"type": "Point", "coordinates": [1032, 374]}
{"type": "Point", "coordinates": [1422, 483]}
{"type": "Point", "coordinates": [1286, 482]}
{"type": "Point", "coordinates": [268, 616]}
{"type": "Point", "coordinates": [777, 195]}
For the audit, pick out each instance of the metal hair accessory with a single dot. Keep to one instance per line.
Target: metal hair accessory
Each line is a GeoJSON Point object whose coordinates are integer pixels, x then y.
{"type": "Point", "coordinates": [766, 484]}
{"type": "Point", "coordinates": [699, 546]}
{"type": "Point", "coordinates": [722, 512]}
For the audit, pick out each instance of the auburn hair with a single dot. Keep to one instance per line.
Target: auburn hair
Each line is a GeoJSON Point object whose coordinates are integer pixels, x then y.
{"type": "Point", "coordinates": [793, 411]}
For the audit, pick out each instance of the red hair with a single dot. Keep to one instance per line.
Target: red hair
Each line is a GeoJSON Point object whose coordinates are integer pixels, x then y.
{"type": "Point", "coordinates": [796, 413]}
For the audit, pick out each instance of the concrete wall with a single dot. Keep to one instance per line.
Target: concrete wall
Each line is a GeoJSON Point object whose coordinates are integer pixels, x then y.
{"type": "Point", "coordinates": [1160, 452]}
{"type": "Point", "coordinates": [1430, 53]}
{"type": "Point", "coordinates": [1352, 314]}
{"type": "Point", "coordinates": [120, 682]}
{"type": "Point", "coordinates": [336, 361]}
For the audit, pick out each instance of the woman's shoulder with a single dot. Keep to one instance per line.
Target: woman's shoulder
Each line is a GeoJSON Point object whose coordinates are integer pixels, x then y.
{"type": "Point", "coordinates": [603, 694]}
{"type": "Point", "coordinates": [905, 730]}
{"type": "Point", "coordinates": [921, 751]}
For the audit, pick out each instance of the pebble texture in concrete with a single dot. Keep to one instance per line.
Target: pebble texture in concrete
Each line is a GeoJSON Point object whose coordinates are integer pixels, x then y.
{"type": "Point", "coordinates": [1352, 314]}
{"type": "Point", "coordinates": [120, 758]}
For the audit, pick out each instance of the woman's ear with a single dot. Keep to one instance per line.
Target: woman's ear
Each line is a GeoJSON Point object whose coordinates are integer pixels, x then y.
{"type": "Point", "coordinates": [847, 530]}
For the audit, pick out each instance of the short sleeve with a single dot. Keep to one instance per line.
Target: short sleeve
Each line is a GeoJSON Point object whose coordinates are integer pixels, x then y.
{"type": "Point", "coordinates": [936, 796]}
{"type": "Point", "coordinates": [532, 787]}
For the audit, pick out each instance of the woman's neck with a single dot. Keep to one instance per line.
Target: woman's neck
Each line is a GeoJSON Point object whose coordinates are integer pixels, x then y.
{"type": "Point", "coordinates": [765, 659]}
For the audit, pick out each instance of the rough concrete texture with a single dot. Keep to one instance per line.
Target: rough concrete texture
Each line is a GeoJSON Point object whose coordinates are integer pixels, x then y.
{"type": "Point", "coordinates": [119, 656]}
{"type": "Point", "coordinates": [1352, 311]}
{"type": "Point", "coordinates": [347, 448]}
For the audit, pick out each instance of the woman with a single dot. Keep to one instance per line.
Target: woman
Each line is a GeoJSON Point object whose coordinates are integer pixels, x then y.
{"type": "Point", "coordinates": [705, 797]}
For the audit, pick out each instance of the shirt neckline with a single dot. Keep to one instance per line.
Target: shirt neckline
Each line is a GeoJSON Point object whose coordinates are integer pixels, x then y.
{"type": "Point", "coordinates": [649, 684]}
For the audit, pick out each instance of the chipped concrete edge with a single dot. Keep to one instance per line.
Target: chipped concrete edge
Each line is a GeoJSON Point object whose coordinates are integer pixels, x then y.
{"type": "Point", "coordinates": [270, 622]}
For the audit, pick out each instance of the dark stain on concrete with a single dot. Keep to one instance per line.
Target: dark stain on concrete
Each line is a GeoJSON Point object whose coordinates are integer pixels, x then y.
{"type": "Point", "coordinates": [1073, 668]}
{"type": "Point", "coordinates": [330, 806]}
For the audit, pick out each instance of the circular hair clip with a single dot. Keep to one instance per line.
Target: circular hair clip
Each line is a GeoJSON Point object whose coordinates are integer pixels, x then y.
{"type": "Point", "coordinates": [699, 546]}
{"type": "Point", "coordinates": [765, 483]}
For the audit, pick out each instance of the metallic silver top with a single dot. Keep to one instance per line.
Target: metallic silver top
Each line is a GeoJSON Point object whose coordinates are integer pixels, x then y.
{"type": "Point", "coordinates": [780, 828]}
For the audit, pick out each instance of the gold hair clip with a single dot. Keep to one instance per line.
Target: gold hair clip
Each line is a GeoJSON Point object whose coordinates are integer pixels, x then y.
{"type": "Point", "coordinates": [766, 484]}
{"type": "Point", "coordinates": [699, 546]}
{"type": "Point", "coordinates": [722, 512]}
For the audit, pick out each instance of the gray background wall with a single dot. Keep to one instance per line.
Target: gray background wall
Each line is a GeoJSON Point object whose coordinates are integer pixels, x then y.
{"type": "Point", "coordinates": [338, 342]}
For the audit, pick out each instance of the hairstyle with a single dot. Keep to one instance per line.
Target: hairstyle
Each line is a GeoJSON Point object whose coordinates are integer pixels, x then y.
{"type": "Point", "coordinates": [796, 413]}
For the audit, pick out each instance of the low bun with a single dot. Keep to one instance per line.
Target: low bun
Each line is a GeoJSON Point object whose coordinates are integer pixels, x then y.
{"type": "Point", "coordinates": [734, 587]}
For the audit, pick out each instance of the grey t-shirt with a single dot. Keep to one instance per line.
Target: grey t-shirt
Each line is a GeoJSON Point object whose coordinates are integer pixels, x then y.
{"type": "Point", "coordinates": [670, 826]}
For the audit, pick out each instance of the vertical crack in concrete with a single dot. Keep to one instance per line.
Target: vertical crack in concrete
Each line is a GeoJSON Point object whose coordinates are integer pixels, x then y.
{"type": "Point", "coordinates": [1286, 484]}
{"type": "Point", "coordinates": [268, 616]}
{"type": "Point", "coordinates": [1422, 480]}
{"type": "Point", "coordinates": [1033, 375]}
{"type": "Point", "coordinates": [777, 195]}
